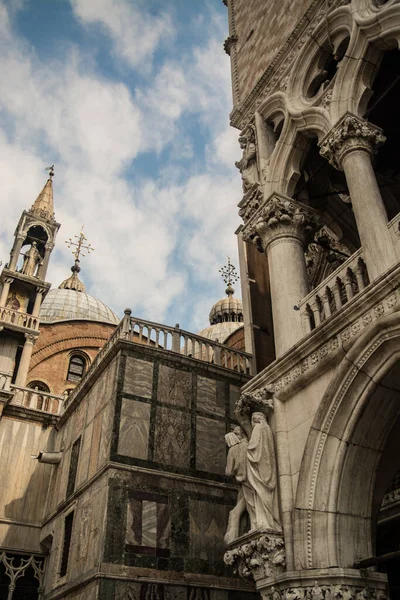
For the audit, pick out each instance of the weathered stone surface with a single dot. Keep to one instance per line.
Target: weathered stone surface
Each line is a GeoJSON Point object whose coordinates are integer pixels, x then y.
{"type": "Point", "coordinates": [172, 437]}
{"type": "Point", "coordinates": [174, 386]}
{"type": "Point", "coordinates": [138, 377]}
{"type": "Point", "coordinates": [134, 429]}
{"type": "Point", "coordinates": [210, 446]}
{"type": "Point", "coordinates": [210, 396]}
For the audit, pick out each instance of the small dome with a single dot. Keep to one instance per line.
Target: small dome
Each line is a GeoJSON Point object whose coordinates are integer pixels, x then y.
{"type": "Point", "coordinates": [68, 305]}
{"type": "Point", "coordinates": [220, 331]}
{"type": "Point", "coordinates": [228, 309]}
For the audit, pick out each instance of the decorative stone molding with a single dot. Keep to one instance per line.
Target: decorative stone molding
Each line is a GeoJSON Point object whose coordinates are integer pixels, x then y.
{"type": "Point", "coordinates": [250, 202]}
{"type": "Point", "coordinates": [280, 67]}
{"type": "Point", "coordinates": [257, 555]}
{"type": "Point", "coordinates": [232, 39]}
{"type": "Point", "coordinates": [350, 133]}
{"type": "Point", "coordinates": [256, 401]}
{"type": "Point", "coordinates": [281, 217]}
{"type": "Point", "coordinates": [331, 591]}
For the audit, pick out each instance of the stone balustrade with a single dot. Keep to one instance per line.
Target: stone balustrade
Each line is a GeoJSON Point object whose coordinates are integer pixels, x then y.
{"type": "Point", "coordinates": [20, 319]}
{"type": "Point", "coordinates": [164, 337]}
{"type": "Point", "coordinates": [188, 344]}
{"type": "Point", "coordinates": [36, 400]}
{"type": "Point", "coordinates": [334, 292]}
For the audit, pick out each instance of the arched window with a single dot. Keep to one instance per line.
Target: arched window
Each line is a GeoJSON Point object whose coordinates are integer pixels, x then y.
{"type": "Point", "coordinates": [38, 386]}
{"type": "Point", "coordinates": [76, 368]}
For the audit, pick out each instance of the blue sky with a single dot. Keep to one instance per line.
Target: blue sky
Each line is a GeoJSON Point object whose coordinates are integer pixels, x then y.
{"type": "Point", "coordinates": [130, 99]}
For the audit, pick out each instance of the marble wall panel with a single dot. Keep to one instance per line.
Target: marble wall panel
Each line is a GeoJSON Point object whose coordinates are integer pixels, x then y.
{"type": "Point", "coordinates": [138, 377]}
{"type": "Point", "coordinates": [94, 448]}
{"type": "Point", "coordinates": [101, 392]}
{"type": "Point", "coordinates": [234, 394]}
{"type": "Point", "coordinates": [134, 426]}
{"type": "Point", "coordinates": [208, 523]}
{"type": "Point", "coordinates": [210, 395]}
{"type": "Point", "coordinates": [134, 522]}
{"type": "Point", "coordinates": [174, 386]}
{"type": "Point", "coordinates": [106, 434]}
{"type": "Point", "coordinates": [127, 591]}
{"type": "Point", "coordinates": [210, 445]}
{"type": "Point", "coordinates": [172, 437]}
{"type": "Point", "coordinates": [175, 592]}
{"type": "Point", "coordinates": [84, 457]}
{"type": "Point", "coordinates": [149, 523]}
{"type": "Point", "coordinates": [163, 525]}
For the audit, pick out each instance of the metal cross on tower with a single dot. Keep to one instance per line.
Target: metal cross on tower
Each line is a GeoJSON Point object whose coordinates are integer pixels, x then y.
{"type": "Point", "coordinates": [80, 245]}
{"type": "Point", "coordinates": [228, 273]}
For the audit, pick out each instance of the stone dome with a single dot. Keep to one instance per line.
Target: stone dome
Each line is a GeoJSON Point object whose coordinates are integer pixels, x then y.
{"type": "Point", "coordinates": [227, 310]}
{"type": "Point", "coordinates": [69, 304]}
{"type": "Point", "coordinates": [220, 331]}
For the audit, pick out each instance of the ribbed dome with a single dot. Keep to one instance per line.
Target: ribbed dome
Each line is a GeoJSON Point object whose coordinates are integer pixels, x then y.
{"type": "Point", "coordinates": [67, 305]}
{"type": "Point", "coordinates": [228, 309]}
{"type": "Point", "coordinates": [220, 331]}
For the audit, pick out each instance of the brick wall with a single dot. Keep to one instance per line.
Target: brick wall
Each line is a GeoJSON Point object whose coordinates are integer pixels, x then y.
{"type": "Point", "coordinates": [262, 27]}
{"type": "Point", "coordinates": [52, 351]}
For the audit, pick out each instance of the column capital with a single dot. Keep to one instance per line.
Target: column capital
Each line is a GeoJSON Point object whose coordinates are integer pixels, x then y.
{"type": "Point", "coordinates": [49, 246]}
{"type": "Point", "coordinates": [350, 133]}
{"type": "Point", "coordinates": [30, 338]}
{"type": "Point", "coordinates": [281, 217]}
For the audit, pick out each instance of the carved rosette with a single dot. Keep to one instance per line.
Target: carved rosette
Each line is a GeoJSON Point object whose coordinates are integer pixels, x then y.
{"type": "Point", "coordinates": [282, 217]}
{"type": "Point", "coordinates": [350, 133]}
{"type": "Point", "coordinates": [257, 555]}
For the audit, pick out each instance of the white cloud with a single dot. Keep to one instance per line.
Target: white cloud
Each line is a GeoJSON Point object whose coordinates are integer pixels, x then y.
{"type": "Point", "coordinates": [135, 34]}
{"type": "Point", "coordinates": [153, 236]}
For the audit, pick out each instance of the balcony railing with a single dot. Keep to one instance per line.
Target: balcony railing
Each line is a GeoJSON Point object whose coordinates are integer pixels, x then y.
{"type": "Point", "coordinates": [334, 292]}
{"type": "Point", "coordinates": [173, 339]}
{"type": "Point", "coordinates": [19, 319]}
{"type": "Point", "coordinates": [36, 400]}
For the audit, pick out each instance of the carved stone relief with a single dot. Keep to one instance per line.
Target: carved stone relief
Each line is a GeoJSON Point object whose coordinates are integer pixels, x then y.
{"type": "Point", "coordinates": [258, 556]}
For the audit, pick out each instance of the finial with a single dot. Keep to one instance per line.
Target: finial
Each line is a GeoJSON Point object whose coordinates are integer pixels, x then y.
{"type": "Point", "coordinates": [79, 245]}
{"type": "Point", "coordinates": [51, 172]}
{"type": "Point", "coordinates": [229, 275]}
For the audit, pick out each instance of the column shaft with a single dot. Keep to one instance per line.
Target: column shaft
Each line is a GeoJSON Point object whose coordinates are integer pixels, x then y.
{"type": "Point", "coordinates": [37, 304]}
{"type": "Point", "coordinates": [369, 212]}
{"type": "Point", "coordinates": [24, 362]}
{"type": "Point", "coordinates": [4, 292]}
{"type": "Point", "coordinates": [15, 253]}
{"type": "Point", "coordinates": [289, 285]}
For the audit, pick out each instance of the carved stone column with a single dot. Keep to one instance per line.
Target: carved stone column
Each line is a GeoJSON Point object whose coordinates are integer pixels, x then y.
{"type": "Point", "coordinates": [45, 263]}
{"type": "Point", "coordinates": [4, 292]}
{"type": "Point", "coordinates": [16, 252]}
{"type": "Point", "coordinates": [280, 227]}
{"type": "Point", "coordinates": [26, 355]}
{"type": "Point", "coordinates": [349, 147]}
{"type": "Point", "coordinates": [38, 301]}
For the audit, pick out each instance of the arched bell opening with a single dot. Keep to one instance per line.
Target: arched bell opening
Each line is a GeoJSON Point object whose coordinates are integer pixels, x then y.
{"type": "Point", "coordinates": [34, 245]}
{"type": "Point", "coordinates": [324, 188]}
{"type": "Point", "coordinates": [382, 110]}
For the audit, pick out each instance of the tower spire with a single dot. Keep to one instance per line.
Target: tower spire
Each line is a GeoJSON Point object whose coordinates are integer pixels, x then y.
{"type": "Point", "coordinates": [73, 282]}
{"type": "Point", "coordinates": [43, 205]}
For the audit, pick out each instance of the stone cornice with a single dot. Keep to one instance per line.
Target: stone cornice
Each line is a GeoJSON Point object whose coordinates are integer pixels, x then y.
{"type": "Point", "coordinates": [349, 134]}
{"type": "Point", "coordinates": [280, 217]}
{"type": "Point", "coordinates": [280, 65]}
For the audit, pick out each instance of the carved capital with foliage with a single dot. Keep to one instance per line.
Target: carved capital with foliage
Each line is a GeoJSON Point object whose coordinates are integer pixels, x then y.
{"type": "Point", "coordinates": [257, 400]}
{"type": "Point", "coordinates": [349, 134]}
{"type": "Point", "coordinates": [257, 555]}
{"type": "Point", "coordinates": [281, 217]}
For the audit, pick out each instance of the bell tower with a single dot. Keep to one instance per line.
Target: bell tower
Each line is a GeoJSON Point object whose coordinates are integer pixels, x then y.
{"type": "Point", "coordinates": [24, 286]}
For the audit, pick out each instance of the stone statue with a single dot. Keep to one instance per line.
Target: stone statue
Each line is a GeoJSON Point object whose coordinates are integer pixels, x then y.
{"type": "Point", "coordinates": [247, 165]}
{"type": "Point", "coordinates": [31, 260]}
{"type": "Point", "coordinates": [236, 465]}
{"type": "Point", "coordinates": [13, 302]}
{"type": "Point", "coordinates": [261, 474]}
{"type": "Point", "coordinates": [316, 592]}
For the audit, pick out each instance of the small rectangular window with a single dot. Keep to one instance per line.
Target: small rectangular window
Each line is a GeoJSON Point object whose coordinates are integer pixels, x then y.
{"type": "Point", "coordinates": [69, 519]}
{"type": "Point", "coordinates": [73, 466]}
